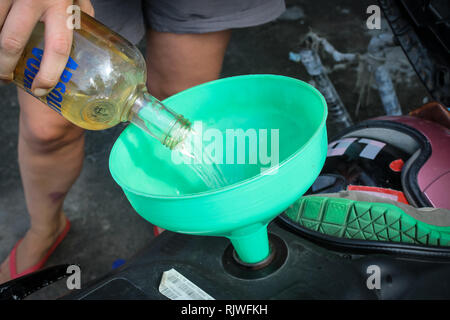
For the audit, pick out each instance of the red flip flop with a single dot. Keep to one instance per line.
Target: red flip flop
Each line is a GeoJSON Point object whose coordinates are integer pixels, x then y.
{"type": "Point", "coordinates": [40, 264]}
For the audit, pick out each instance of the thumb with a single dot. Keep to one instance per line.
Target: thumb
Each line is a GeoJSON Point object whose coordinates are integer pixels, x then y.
{"type": "Point", "coordinates": [86, 6]}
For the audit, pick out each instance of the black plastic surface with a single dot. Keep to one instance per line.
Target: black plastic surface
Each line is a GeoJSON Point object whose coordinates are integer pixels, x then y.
{"type": "Point", "coordinates": [20, 288]}
{"type": "Point", "coordinates": [309, 272]}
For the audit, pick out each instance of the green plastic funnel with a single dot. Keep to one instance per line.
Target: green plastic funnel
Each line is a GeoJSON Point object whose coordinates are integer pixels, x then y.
{"type": "Point", "coordinates": [171, 196]}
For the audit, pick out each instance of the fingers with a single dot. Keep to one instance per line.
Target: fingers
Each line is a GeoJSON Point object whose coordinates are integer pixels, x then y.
{"type": "Point", "coordinates": [4, 9]}
{"type": "Point", "coordinates": [17, 28]}
{"type": "Point", "coordinates": [86, 6]}
{"type": "Point", "coordinates": [5, 5]}
{"type": "Point", "coordinates": [58, 43]}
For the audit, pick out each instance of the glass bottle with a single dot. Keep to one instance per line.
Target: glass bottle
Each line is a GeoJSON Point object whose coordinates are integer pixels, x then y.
{"type": "Point", "coordinates": [103, 84]}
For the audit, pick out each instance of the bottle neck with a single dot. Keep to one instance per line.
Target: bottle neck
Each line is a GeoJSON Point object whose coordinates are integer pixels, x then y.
{"type": "Point", "coordinates": [149, 114]}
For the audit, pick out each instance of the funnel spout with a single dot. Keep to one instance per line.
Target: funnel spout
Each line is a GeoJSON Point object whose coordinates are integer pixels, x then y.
{"type": "Point", "coordinates": [251, 243]}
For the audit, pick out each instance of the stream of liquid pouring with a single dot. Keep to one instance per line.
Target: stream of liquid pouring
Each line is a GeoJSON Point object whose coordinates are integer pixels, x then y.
{"type": "Point", "coordinates": [201, 161]}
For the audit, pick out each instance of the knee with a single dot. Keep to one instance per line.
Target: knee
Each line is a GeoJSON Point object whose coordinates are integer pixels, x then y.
{"type": "Point", "coordinates": [162, 89]}
{"type": "Point", "coordinates": [49, 137]}
{"type": "Point", "coordinates": [162, 92]}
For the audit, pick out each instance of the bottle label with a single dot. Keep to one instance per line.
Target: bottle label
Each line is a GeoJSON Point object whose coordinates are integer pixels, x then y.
{"type": "Point", "coordinates": [56, 96]}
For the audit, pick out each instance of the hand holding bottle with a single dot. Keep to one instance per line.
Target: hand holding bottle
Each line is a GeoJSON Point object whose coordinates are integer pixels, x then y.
{"type": "Point", "coordinates": [17, 21]}
{"type": "Point", "coordinates": [103, 83]}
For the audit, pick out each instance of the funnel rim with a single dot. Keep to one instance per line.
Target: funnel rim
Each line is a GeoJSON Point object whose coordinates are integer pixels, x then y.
{"type": "Point", "coordinates": [241, 182]}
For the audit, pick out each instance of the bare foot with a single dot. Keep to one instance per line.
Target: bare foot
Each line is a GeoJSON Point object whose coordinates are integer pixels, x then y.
{"type": "Point", "coordinates": [33, 248]}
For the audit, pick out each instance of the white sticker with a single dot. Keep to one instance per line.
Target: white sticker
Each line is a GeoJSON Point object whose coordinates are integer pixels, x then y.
{"type": "Point", "coordinates": [176, 287]}
{"type": "Point", "coordinates": [372, 148]}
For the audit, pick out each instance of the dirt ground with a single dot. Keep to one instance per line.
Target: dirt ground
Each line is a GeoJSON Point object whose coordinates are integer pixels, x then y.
{"type": "Point", "coordinates": [104, 226]}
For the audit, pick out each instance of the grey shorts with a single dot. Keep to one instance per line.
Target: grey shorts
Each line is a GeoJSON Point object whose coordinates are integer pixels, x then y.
{"type": "Point", "coordinates": [131, 18]}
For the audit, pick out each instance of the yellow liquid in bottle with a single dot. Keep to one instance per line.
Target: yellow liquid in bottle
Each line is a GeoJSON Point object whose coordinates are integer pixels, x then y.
{"type": "Point", "coordinates": [103, 79]}
{"type": "Point", "coordinates": [109, 72]}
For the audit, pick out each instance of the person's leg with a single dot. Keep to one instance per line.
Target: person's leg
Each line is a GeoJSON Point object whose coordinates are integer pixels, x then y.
{"type": "Point", "coordinates": [51, 152]}
{"type": "Point", "coordinates": [179, 61]}
{"type": "Point", "coordinates": [188, 38]}
{"type": "Point", "coordinates": [176, 62]}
